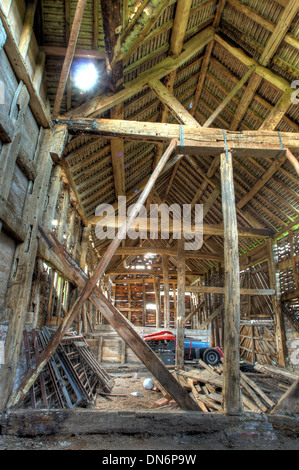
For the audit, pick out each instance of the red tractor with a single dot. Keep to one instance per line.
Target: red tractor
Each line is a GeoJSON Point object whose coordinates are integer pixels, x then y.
{"type": "Point", "coordinates": [163, 344]}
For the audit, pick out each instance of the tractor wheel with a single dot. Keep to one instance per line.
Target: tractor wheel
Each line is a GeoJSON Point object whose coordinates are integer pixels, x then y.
{"type": "Point", "coordinates": [211, 357]}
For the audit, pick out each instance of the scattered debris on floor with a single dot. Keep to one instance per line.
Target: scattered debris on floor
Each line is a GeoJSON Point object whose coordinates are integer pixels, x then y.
{"type": "Point", "coordinates": [71, 378]}
{"type": "Point", "coordinates": [205, 387]}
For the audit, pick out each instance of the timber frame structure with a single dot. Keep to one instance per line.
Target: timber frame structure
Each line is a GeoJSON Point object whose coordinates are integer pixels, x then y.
{"type": "Point", "coordinates": [196, 103]}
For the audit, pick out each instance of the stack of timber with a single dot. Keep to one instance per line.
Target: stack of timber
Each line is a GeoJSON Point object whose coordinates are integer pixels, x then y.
{"type": "Point", "coordinates": [205, 387]}
{"type": "Point", "coordinates": [71, 378]}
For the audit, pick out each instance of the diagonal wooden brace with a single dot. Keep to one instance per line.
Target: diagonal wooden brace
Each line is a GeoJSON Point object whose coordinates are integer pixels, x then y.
{"type": "Point", "coordinates": [87, 291]}
{"type": "Point", "coordinates": [120, 324]}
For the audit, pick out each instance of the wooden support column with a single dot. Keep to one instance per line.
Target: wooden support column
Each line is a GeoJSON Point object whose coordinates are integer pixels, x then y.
{"type": "Point", "coordinates": [84, 246]}
{"type": "Point", "coordinates": [276, 303]}
{"type": "Point", "coordinates": [231, 396]}
{"type": "Point", "coordinates": [156, 283]}
{"type": "Point", "coordinates": [144, 304]}
{"type": "Point", "coordinates": [181, 309]}
{"type": "Point", "coordinates": [53, 196]}
{"type": "Point", "coordinates": [166, 292]}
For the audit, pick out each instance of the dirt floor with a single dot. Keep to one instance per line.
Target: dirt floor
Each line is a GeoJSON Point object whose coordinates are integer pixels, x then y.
{"type": "Point", "coordinates": [130, 392]}
{"type": "Point", "coordinates": [128, 381]}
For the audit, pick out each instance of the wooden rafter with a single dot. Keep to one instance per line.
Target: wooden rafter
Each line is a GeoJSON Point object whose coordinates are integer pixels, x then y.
{"type": "Point", "coordinates": [246, 10]}
{"type": "Point", "coordinates": [279, 32]}
{"type": "Point", "coordinates": [245, 101]}
{"type": "Point", "coordinates": [181, 19]}
{"type": "Point", "coordinates": [230, 96]}
{"type": "Point", "coordinates": [207, 57]}
{"type": "Point", "coordinates": [276, 80]}
{"type": "Point", "coordinates": [112, 19]}
{"type": "Point", "coordinates": [202, 76]}
{"type": "Point", "coordinates": [103, 103]}
{"type": "Point", "coordinates": [27, 28]}
{"type": "Point", "coordinates": [69, 56]}
{"type": "Point", "coordinates": [176, 108]}
{"type": "Point", "coordinates": [261, 181]}
{"type": "Point", "coordinates": [277, 113]}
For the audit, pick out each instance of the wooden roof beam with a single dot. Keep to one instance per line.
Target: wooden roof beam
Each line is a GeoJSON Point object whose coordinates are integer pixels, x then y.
{"type": "Point", "coordinates": [196, 140]}
{"type": "Point", "coordinates": [208, 229]}
{"type": "Point", "coordinates": [58, 51]}
{"type": "Point", "coordinates": [207, 56]}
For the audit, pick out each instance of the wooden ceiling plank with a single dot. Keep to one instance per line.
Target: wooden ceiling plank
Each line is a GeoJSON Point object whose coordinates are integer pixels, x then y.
{"type": "Point", "coordinates": [261, 181]}
{"type": "Point", "coordinates": [69, 56]}
{"type": "Point", "coordinates": [135, 38]}
{"type": "Point", "coordinates": [230, 96]}
{"type": "Point", "coordinates": [202, 76]}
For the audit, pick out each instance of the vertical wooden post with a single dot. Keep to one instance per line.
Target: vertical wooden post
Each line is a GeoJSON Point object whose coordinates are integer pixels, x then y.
{"type": "Point", "coordinates": [175, 313]}
{"type": "Point", "coordinates": [231, 396]}
{"type": "Point", "coordinates": [53, 196]}
{"type": "Point", "coordinates": [144, 304]}
{"type": "Point", "coordinates": [84, 246]}
{"type": "Point", "coordinates": [276, 303]}
{"type": "Point", "coordinates": [129, 303]}
{"type": "Point", "coordinates": [166, 292]}
{"type": "Point", "coordinates": [181, 313]}
{"type": "Point", "coordinates": [156, 283]}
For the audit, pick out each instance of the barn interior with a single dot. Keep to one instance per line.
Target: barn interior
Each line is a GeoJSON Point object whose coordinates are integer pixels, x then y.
{"type": "Point", "coordinates": [111, 112]}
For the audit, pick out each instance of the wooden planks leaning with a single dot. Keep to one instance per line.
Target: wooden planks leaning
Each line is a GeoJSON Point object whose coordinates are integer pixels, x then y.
{"type": "Point", "coordinates": [205, 385]}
